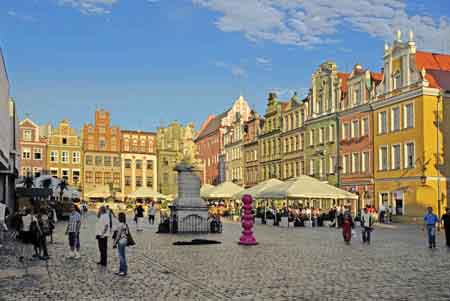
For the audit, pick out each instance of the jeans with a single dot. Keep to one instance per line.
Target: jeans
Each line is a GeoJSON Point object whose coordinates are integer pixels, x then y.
{"type": "Point", "coordinates": [431, 231]}
{"type": "Point", "coordinates": [366, 234]}
{"type": "Point", "coordinates": [103, 248]}
{"type": "Point", "coordinates": [151, 219]}
{"type": "Point", "coordinates": [74, 241]}
{"type": "Point", "coordinates": [121, 246]}
{"type": "Point", "coordinates": [43, 242]}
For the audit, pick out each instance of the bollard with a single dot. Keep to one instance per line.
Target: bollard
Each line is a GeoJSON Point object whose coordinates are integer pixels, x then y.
{"type": "Point", "coordinates": [247, 237]}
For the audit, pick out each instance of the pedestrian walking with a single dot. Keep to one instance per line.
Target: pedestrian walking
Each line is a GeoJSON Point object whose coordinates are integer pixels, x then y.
{"type": "Point", "coordinates": [73, 231]}
{"type": "Point", "coordinates": [28, 234]}
{"type": "Point", "coordinates": [151, 213]}
{"type": "Point", "coordinates": [366, 224]}
{"type": "Point", "coordinates": [44, 226]}
{"type": "Point", "coordinates": [446, 224]}
{"type": "Point", "coordinates": [382, 217]}
{"type": "Point", "coordinates": [139, 217]}
{"type": "Point", "coordinates": [430, 221]}
{"type": "Point", "coordinates": [110, 217]}
{"type": "Point", "coordinates": [84, 210]}
{"type": "Point", "coordinates": [121, 242]}
{"type": "Point", "coordinates": [102, 231]}
{"type": "Point", "coordinates": [347, 226]}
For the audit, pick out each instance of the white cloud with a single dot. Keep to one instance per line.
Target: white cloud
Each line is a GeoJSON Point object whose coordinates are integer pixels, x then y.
{"type": "Point", "coordinates": [90, 7]}
{"type": "Point", "coordinates": [21, 17]}
{"type": "Point", "coordinates": [237, 71]}
{"type": "Point", "coordinates": [307, 23]}
{"type": "Point", "coordinates": [263, 61]}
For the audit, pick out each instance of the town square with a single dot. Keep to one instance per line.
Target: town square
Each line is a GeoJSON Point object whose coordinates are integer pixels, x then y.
{"type": "Point", "coordinates": [224, 149]}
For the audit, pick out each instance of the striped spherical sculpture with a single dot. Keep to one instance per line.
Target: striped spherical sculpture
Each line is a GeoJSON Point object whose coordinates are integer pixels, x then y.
{"type": "Point", "coordinates": [247, 237]}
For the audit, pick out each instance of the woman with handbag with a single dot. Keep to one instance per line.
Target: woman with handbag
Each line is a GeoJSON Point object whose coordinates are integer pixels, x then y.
{"type": "Point", "coordinates": [122, 240]}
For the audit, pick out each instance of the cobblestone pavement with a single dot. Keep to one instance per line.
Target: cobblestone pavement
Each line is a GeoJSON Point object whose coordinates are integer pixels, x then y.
{"type": "Point", "coordinates": [288, 264]}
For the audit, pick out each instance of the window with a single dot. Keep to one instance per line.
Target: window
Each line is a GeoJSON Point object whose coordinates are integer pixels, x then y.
{"type": "Point", "coordinates": [116, 176]}
{"type": "Point", "coordinates": [98, 161]}
{"type": "Point", "coordinates": [149, 182]}
{"type": "Point", "coordinates": [395, 156]}
{"type": "Point", "coordinates": [382, 123]}
{"type": "Point", "coordinates": [88, 177]}
{"type": "Point", "coordinates": [321, 167]}
{"type": "Point", "coordinates": [321, 134]}
{"type": "Point", "coordinates": [102, 144]}
{"type": "Point", "coordinates": [149, 164]}
{"type": "Point", "coordinates": [311, 137]}
{"type": "Point", "coordinates": [127, 181]}
{"type": "Point", "coordinates": [296, 142]}
{"type": "Point", "coordinates": [347, 165]}
{"type": "Point", "coordinates": [75, 176]}
{"type": "Point", "coordinates": [355, 129]}
{"type": "Point", "coordinates": [54, 172]}
{"type": "Point", "coordinates": [332, 165]}
{"type": "Point", "coordinates": [26, 153]}
{"type": "Point", "coordinates": [138, 164]}
{"type": "Point", "coordinates": [37, 172]}
{"type": "Point", "coordinates": [88, 160]}
{"type": "Point", "coordinates": [331, 133]}
{"type": "Point", "coordinates": [127, 163]}
{"type": "Point", "coordinates": [117, 161]}
{"type": "Point", "coordinates": [346, 131]}
{"type": "Point", "coordinates": [108, 178]}
{"type": "Point", "coordinates": [383, 158]}
{"type": "Point", "coordinates": [64, 141]}
{"type": "Point", "coordinates": [355, 163]}
{"type": "Point", "coordinates": [27, 135]}
{"type": "Point", "coordinates": [302, 140]}
{"type": "Point", "coordinates": [107, 161]}
{"type": "Point", "coordinates": [37, 154]}
{"type": "Point", "coordinates": [395, 119]}
{"type": "Point", "coordinates": [356, 96]}
{"type": "Point", "coordinates": [64, 157]}
{"type": "Point", "coordinates": [410, 155]}
{"type": "Point", "coordinates": [397, 80]}
{"type": "Point", "coordinates": [408, 116]}
{"type": "Point", "coordinates": [65, 174]}
{"type": "Point", "coordinates": [365, 162]}
{"type": "Point", "coordinates": [311, 167]}
{"type": "Point", "coordinates": [365, 126]}
{"type": "Point", "coordinates": [76, 157]}
{"type": "Point", "coordinates": [139, 181]}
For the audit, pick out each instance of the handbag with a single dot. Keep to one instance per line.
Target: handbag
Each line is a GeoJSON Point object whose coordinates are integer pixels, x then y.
{"type": "Point", "coordinates": [130, 240]}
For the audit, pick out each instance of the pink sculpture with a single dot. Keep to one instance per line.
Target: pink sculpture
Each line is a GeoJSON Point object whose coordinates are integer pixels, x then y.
{"type": "Point", "coordinates": [247, 237]}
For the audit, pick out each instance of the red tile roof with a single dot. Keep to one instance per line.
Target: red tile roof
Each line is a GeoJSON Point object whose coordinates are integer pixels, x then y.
{"type": "Point", "coordinates": [433, 61]}
{"type": "Point", "coordinates": [377, 76]}
{"type": "Point", "coordinates": [438, 79]}
{"type": "Point", "coordinates": [344, 77]}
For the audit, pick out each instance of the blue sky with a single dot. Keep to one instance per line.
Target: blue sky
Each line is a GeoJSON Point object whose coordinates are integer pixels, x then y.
{"type": "Point", "coordinates": [150, 62]}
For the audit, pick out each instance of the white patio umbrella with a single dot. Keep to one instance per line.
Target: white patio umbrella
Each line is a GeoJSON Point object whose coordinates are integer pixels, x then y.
{"type": "Point", "coordinates": [146, 193]}
{"type": "Point", "coordinates": [226, 190]}
{"type": "Point", "coordinates": [305, 187]}
{"type": "Point", "coordinates": [206, 189]}
{"type": "Point", "coordinates": [257, 188]}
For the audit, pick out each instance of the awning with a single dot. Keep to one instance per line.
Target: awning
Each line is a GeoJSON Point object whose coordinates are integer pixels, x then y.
{"type": "Point", "coordinates": [99, 192]}
{"type": "Point", "coordinates": [305, 187]}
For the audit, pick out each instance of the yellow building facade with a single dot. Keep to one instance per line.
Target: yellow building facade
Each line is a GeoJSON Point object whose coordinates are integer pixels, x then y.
{"type": "Point", "coordinates": [411, 129]}
{"type": "Point", "coordinates": [64, 154]}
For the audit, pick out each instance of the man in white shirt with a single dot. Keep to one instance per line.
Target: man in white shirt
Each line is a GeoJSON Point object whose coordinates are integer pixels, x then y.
{"type": "Point", "coordinates": [3, 227]}
{"type": "Point", "coordinates": [101, 232]}
{"type": "Point", "coordinates": [366, 224]}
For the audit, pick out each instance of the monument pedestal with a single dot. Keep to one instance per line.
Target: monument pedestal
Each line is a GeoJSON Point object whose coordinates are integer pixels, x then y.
{"type": "Point", "coordinates": [189, 211]}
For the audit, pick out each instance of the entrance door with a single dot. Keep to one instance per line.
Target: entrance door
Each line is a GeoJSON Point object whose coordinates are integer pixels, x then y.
{"type": "Point", "coordinates": [398, 202]}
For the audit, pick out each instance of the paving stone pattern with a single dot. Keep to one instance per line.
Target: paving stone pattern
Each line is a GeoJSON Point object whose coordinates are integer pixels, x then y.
{"type": "Point", "coordinates": [288, 264]}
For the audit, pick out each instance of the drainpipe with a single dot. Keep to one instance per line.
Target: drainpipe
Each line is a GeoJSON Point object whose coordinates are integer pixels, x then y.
{"type": "Point", "coordinates": [438, 153]}
{"type": "Point", "coordinates": [372, 137]}
{"type": "Point", "coordinates": [338, 155]}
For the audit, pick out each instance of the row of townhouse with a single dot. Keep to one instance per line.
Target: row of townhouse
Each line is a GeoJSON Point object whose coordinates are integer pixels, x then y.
{"type": "Point", "coordinates": [104, 160]}
{"type": "Point", "coordinates": [9, 159]}
{"type": "Point", "coordinates": [382, 135]}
